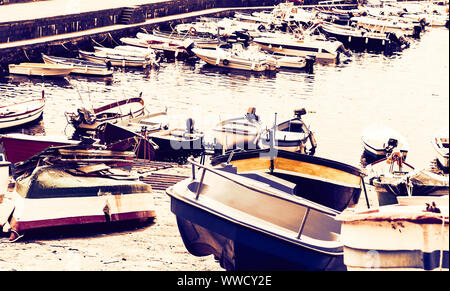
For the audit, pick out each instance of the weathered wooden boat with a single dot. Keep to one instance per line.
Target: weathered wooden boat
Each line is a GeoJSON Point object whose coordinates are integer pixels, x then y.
{"type": "Point", "coordinates": [380, 141]}
{"type": "Point", "coordinates": [76, 191]}
{"type": "Point", "coordinates": [323, 50]}
{"type": "Point", "coordinates": [292, 135]}
{"type": "Point", "coordinates": [88, 120]}
{"type": "Point", "coordinates": [241, 209]}
{"type": "Point", "coordinates": [21, 113]}
{"type": "Point", "coordinates": [440, 144]}
{"type": "Point", "coordinates": [40, 69]}
{"type": "Point", "coordinates": [19, 147]}
{"type": "Point", "coordinates": [405, 236]}
{"type": "Point", "coordinates": [115, 60]}
{"type": "Point", "coordinates": [362, 39]}
{"type": "Point", "coordinates": [80, 66]}
{"type": "Point", "coordinates": [236, 58]}
{"type": "Point", "coordinates": [392, 178]}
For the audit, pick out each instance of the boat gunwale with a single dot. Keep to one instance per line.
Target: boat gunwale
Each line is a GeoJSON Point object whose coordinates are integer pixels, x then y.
{"type": "Point", "coordinates": [41, 106]}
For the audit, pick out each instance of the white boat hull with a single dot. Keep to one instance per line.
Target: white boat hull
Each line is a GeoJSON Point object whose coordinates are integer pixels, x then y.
{"type": "Point", "coordinates": [396, 237]}
{"type": "Point", "coordinates": [30, 70]}
{"type": "Point", "coordinates": [30, 113]}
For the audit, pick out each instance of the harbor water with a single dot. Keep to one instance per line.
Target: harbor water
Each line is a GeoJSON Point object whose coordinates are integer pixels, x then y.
{"type": "Point", "coordinates": [407, 91]}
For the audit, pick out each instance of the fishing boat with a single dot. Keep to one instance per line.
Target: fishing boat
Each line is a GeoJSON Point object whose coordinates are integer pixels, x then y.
{"type": "Point", "coordinates": [18, 147]}
{"type": "Point", "coordinates": [380, 141]}
{"type": "Point", "coordinates": [21, 113]}
{"type": "Point", "coordinates": [361, 39]}
{"type": "Point", "coordinates": [392, 178]}
{"type": "Point", "coordinates": [172, 48]}
{"type": "Point", "coordinates": [292, 135]}
{"type": "Point", "coordinates": [89, 119]}
{"type": "Point", "coordinates": [236, 58]}
{"type": "Point", "coordinates": [41, 69]}
{"type": "Point", "coordinates": [115, 60]}
{"type": "Point", "coordinates": [173, 143]}
{"type": "Point", "coordinates": [323, 50]}
{"type": "Point", "coordinates": [199, 41]}
{"type": "Point", "coordinates": [127, 51]}
{"type": "Point", "coordinates": [80, 187]}
{"type": "Point", "coordinates": [410, 235]}
{"type": "Point", "coordinates": [80, 66]}
{"type": "Point", "coordinates": [440, 143]}
{"type": "Point", "coordinates": [247, 209]}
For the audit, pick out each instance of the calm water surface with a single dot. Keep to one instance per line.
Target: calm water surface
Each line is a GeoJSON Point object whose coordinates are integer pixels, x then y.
{"type": "Point", "coordinates": [408, 92]}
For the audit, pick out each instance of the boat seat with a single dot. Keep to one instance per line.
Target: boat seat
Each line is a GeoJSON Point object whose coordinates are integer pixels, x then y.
{"type": "Point", "coordinates": [272, 181]}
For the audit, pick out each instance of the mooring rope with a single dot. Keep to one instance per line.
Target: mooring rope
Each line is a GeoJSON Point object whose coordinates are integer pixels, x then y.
{"type": "Point", "coordinates": [25, 53]}
{"type": "Point", "coordinates": [113, 39]}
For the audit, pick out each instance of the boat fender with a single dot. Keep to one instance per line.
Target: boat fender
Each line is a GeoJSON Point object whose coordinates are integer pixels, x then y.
{"type": "Point", "coordinates": [226, 62]}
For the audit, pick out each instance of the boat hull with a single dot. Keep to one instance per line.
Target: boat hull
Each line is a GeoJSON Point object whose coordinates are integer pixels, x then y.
{"type": "Point", "coordinates": [22, 116]}
{"type": "Point", "coordinates": [78, 67]}
{"type": "Point", "coordinates": [50, 71]}
{"type": "Point", "coordinates": [237, 64]}
{"type": "Point", "coordinates": [19, 148]}
{"type": "Point", "coordinates": [404, 238]}
{"type": "Point", "coordinates": [239, 248]}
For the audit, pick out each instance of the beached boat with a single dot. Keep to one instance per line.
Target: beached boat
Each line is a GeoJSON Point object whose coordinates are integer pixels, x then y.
{"type": "Point", "coordinates": [89, 119]}
{"type": "Point", "coordinates": [393, 178]}
{"type": "Point", "coordinates": [19, 147]}
{"type": "Point", "coordinates": [292, 135]}
{"type": "Point", "coordinates": [40, 69]}
{"type": "Point", "coordinates": [78, 190]}
{"type": "Point", "coordinates": [440, 143]}
{"type": "Point", "coordinates": [380, 141]}
{"type": "Point", "coordinates": [236, 58]}
{"type": "Point", "coordinates": [322, 50]}
{"type": "Point", "coordinates": [21, 113]}
{"type": "Point", "coordinates": [80, 66]}
{"type": "Point", "coordinates": [248, 211]}
{"type": "Point", "coordinates": [116, 60]}
{"type": "Point", "coordinates": [411, 235]}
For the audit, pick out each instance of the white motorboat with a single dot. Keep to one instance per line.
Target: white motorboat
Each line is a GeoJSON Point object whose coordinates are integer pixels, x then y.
{"type": "Point", "coordinates": [285, 44]}
{"type": "Point", "coordinates": [236, 58]}
{"type": "Point", "coordinates": [380, 141]}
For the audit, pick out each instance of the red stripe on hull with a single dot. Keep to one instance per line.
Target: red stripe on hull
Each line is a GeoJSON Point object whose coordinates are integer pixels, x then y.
{"type": "Point", "coordinates": [19, 226]}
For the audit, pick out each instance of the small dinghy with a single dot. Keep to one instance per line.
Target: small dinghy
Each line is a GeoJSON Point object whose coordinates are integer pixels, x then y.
{"type": "Point", "coordinates": [255, 211]}
{"type": "Point", "coordinates": [440, 143]}
{"type": "Point", "coordinates": [292, 135]}
{"type": "Point", "coordinates": [392, 177]}
{"type": "Point", "coordinates": [21, 113]}
{"type": "Point", "coordinates": [81, 67]}
{"type": "Point", "coordinates": [41, 69]}
{"type": "Point", "coordinates": [380, 141]}
{"type": "Point", "coordinates": [85, 119]}
{"type": "Point", "coordinates": [75, 187]}
{"type": "Point", "coordinates": [410, 235]}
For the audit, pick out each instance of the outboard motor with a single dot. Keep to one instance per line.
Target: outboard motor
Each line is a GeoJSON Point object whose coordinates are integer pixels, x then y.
{"type": "Point", "coordinates": [299, 112]}
{"type": "Point", "coordinates": [392, 143]}
{"type": "Point", "coordinates": [190, 125]}
{"type": "Point", "coordinates": [251, 114]}
{"type": "Point", "coordinates": [310, 60]}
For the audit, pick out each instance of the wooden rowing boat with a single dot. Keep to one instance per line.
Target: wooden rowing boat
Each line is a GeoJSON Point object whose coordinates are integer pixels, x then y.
{"type": "Point", "coordinates": [40, 69]}
{"type": "Point", "coordinates": [21, 113]}
{"type": "Point", "coordinates": [80, 66]}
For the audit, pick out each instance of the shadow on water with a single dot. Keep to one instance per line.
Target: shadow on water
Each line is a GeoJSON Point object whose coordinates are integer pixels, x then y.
{"type": "Point", "coordinates": [210, 69]}
{"type": "Point", "coordinates": [35, 80]}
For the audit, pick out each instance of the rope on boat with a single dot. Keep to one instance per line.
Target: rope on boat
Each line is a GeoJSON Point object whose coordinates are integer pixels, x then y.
{"type": "Point", "coordinates": [25, 53]}
{"type": "Point", "coordinates": [17, 234]}
{"type": "Point", "coordinates": [93, 40]}
{"type": "Point", "coordinates": [113, 39]}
